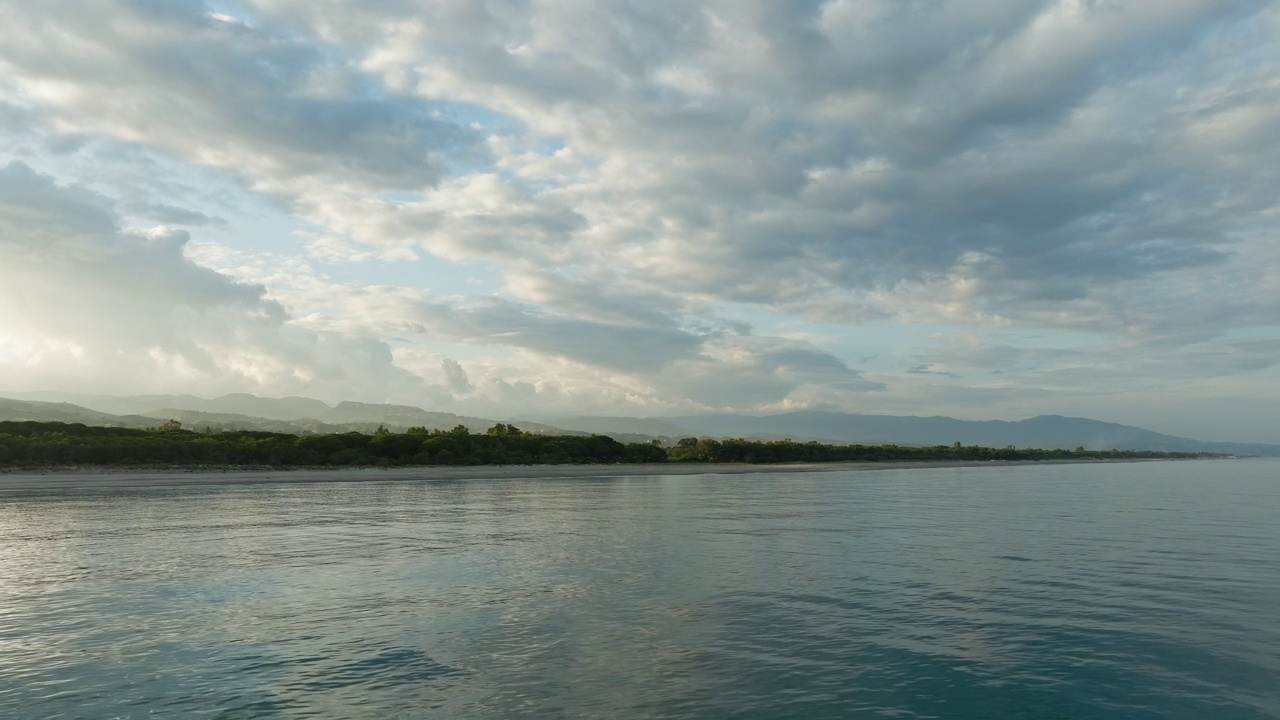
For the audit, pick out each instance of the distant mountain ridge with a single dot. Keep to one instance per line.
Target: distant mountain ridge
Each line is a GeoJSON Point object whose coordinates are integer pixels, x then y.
{"type": "Point", "coordinates": [297, 415]}
{"type": "Point", "coordinates": [403, 416]}
{"type": "Point", "coordinates": [306, 415]}
{"type": "Point", "coordinates": [1044, 431]}
{"type": "Point", "coordinates": [285, 408]}
{"type": "Point", "coordinates": [11, 409]}
{"type": "Point", "coordinates": [652, 427]}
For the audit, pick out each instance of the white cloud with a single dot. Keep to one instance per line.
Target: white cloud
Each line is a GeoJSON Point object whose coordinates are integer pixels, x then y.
{"type": "Point", "coordinates": [92, 306]}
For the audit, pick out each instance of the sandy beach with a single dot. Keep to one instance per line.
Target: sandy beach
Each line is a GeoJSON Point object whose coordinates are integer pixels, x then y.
{"type": "Point", "coordinates": [25, 480]}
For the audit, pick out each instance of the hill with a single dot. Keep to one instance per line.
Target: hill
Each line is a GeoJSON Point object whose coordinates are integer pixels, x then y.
{"type": "Point", "coordinates": [286, 408]}
{"type": "Point", "coordinates": [67, 413]}
{"type": "Point", "coordinates": [1045, 431]}
{"type": "Point", "coordinates": [300, 415]}
{"type": "Point", "coordinates": [280, 415]}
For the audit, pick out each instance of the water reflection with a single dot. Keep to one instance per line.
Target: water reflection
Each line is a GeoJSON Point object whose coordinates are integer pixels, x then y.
{"type": "Point", "coordinates": [1141, 591]}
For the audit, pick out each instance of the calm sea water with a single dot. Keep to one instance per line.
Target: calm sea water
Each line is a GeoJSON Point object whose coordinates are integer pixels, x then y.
{"type": "Point", "coordinates": [1146, 590]}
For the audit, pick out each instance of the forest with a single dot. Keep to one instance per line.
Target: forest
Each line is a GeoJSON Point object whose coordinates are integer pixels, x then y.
{"type": "Point", "coordinates": [54, 444]}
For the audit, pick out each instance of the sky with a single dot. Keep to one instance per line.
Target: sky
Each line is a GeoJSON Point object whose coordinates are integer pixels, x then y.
{"type": "Point", "coordinates": [988, 209]}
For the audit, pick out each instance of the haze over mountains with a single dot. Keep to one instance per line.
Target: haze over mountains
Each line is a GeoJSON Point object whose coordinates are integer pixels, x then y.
{"type": "Point", "coordinates": [307, 415]}
{"type": "Point", "coordinates": [1044, 431]}
{"type": "Point", "coordinates": [233, 412]}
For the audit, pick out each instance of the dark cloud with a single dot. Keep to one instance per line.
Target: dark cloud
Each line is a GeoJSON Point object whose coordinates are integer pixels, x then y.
{"type": "Point", "coordinates": [927, 369]}
{"type": "Point", "coordinates": [628, 348]}
{"type": "Point", "coordinates": [174, 215]}
{"type": "Point", "coordinates": [178, 76]}
{"type": "Point", "coordinates": [750, 373]}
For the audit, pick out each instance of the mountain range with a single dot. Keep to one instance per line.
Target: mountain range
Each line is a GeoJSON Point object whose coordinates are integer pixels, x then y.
{"type": "Point", "coordinates": [1044, 431]}
{"type": "Point", "coordinates": [307, 415]}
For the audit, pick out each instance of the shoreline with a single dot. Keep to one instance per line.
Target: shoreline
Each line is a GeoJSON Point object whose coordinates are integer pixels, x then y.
{"type": "Point", "coordinates": [105, 478]}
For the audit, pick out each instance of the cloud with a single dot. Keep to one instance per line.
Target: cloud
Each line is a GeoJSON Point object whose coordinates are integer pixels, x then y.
{"type": "Point", "coordinates": [252, 97]}
{"type": "Point", "coordinates": [88, 304]}
{"type": "Point", "coordinates": [652, 364]}
{"type": "Point", "coordinates": [457, 377]}
{"type": "Point", "coordinates": [688, 205]}
{"type": "Point", "coordinates": [745, 373]}
{"type": "Point", "coordinates": [807, 140]}
{"type": "Point", "coordinates": [698, 146]}
{"type": "Point", "coordinates": [929, 369]}
{"type": "Point", "coordinates": [174, 215]}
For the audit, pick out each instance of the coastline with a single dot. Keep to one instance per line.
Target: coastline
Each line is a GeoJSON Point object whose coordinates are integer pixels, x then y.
{"type": "Point", "coordinates": [102, 478]}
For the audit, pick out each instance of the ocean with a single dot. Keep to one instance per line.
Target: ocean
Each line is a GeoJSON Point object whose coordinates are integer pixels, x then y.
{"type": "Point", "coordinates": [1133, 590]}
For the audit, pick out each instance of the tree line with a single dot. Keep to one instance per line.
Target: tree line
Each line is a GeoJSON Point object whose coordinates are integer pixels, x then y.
{"type": "Point", "coordinates": [49, 444]}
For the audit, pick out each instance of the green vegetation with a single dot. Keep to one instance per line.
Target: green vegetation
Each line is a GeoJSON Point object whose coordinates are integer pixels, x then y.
{"type": "Point", "coordinates": [25, 444]}
{"type": "Point", "coordinates": [756, 451]}
{"type": "Point", "coordinates": [46, 444]}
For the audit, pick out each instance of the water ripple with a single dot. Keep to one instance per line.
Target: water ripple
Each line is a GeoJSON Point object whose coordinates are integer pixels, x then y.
{"type": "Point", "coordinates": [1132, 591]}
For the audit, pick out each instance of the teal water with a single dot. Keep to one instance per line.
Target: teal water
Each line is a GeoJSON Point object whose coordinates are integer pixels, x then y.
{"type": "Point", "coordinates": [1147, 590]}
